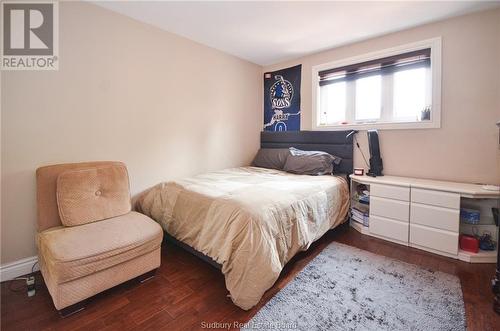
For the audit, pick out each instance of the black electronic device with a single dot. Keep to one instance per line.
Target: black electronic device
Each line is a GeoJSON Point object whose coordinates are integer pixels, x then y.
{"type": "Point", "coordinates": [376, 165]}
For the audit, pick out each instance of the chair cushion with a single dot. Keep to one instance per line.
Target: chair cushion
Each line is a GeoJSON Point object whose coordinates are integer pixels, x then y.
{"type": "Point", "coordinates": [73, 252]}
{"type": "Point", "coordinates": [93, 194]}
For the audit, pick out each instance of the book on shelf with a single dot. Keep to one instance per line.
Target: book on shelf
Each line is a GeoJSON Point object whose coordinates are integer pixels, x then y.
{"type": "Point", "coordinates": [360, 207]}
{"type": "Point", "coordinates": [360, 216]}
{"type": "Point", "coordinates": [359, 213]}
{"type": "Point", "coordinates": [364, 199]}
{"type": "Point", "coordinates": [361, 220]}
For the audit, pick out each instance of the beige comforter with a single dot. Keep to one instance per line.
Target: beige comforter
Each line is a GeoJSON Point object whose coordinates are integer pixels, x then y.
{"type": "Point", "coordinates": [250, 220]}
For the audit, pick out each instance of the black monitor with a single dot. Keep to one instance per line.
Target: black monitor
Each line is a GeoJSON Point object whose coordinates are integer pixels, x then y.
{"type": "Point", "coordinates": [376, 165]}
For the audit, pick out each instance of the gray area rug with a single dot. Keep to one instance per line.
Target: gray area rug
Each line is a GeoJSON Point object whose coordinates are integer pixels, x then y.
{"type": "Point", "coordinates": [345, 288]}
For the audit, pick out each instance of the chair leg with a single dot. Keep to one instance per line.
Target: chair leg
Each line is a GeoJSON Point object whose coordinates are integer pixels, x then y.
{"type": "Point", "coordinates": [147, 276]}
{"type": "Point", "coordinates": [73, 309]}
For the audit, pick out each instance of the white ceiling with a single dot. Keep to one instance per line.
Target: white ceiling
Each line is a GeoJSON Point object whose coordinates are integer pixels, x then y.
{"type": "Point", "coordinates": [270, 32]}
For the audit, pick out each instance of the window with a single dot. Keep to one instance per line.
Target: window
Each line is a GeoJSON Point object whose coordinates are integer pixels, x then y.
{"type": "Point", "coordinates": [368, 98]}
{"type": "Point", "coordinates": [410, 93]}
{"type": "Point", "coordinates": [393, 89]}
{"type": "Point", "coordinates": [334, 100]}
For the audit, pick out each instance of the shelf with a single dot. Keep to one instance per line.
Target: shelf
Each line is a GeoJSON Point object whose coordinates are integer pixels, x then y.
{"type": "Point", "coordinates": [359, 227]}
{"type": "Point", "coordinates": [480, 257]}
{"type": "Point", "coordinates": [482, 221]}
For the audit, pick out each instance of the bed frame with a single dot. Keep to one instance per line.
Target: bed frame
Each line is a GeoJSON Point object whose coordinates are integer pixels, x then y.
{"type": "Point", "coordinates": [333, 142]}
{"type": "Point", "coordinates": [186, 247]}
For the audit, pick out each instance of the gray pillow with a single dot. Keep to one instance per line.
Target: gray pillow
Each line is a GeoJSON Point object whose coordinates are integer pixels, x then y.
{"type": "Point", "coordinates": [310, 162]}
{"type": "Point", "coordinates": [271, 158]}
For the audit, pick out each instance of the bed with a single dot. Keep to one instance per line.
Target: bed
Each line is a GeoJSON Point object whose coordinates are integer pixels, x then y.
{"type": "Point", "coordinates": [251, 221]}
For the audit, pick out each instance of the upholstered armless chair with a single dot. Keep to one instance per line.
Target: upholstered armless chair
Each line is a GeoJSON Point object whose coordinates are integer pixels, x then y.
{"type": "Point", "coordinates": [88, 238]}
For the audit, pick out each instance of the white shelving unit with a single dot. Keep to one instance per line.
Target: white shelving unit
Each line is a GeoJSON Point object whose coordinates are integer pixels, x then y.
{"type": "Point", "coordinates": [358, 226]}
{"type": "Point", "coordinates": [425, 214]}
{"type": "Point", "coordinates": [480, 257]}
{"type": "Point", "coordinates": [486, 224]}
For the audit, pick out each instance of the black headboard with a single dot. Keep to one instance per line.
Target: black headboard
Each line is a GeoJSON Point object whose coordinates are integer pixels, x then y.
{"type": "Point", "coordinates": [333, 142]}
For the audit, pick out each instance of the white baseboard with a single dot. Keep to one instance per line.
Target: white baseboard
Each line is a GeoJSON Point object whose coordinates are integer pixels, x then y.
{"type": "Point", "coordinates": [18, 268]}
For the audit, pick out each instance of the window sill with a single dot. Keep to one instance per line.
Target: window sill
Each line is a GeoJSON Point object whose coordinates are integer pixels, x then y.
{"type": "Point", "coordinates": [380, 126]}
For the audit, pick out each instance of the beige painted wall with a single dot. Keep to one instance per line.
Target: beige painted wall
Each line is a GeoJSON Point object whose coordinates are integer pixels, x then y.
{"type": "Point", "coordinates": [465, 148]}
{"type": "Point", "coordinates": [169, 107]}
{"type": "Point", "coordinates": [166, 106]}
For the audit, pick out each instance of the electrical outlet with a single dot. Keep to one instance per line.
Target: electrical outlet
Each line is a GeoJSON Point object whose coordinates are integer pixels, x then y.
{"type": "Point", "coordinates": [30, 284]}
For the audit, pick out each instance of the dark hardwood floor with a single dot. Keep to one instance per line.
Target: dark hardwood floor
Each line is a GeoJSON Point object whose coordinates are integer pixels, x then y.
{"type": "Point", "coordinates": [187, 291]}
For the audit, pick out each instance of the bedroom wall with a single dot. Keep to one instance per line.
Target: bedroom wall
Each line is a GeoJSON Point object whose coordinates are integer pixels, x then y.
{"type": "Point", "coordinates": [465, 148]}
{"type": "Point", "coordinates": [166, 106]}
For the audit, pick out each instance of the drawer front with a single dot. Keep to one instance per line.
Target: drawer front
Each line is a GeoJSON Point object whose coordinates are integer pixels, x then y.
{"type": "Point", "coordinates": [435, 198]}
{"type": "Point", "coordinates": [388, 228]}
{"type": "Point", "coordinates": [395, 209]}
{"type": "Point", "coordinates": [439, 240]}
{"type": "Point", "coordinates": [391, 192]}
{"type": "Point", "coordinates": [436, 217]}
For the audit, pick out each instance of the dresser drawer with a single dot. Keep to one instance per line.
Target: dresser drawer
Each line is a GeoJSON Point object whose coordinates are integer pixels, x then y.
{"type": "Point", "coordinates": [436, 239]}
{"type": "Point", "coordinates": [391, 192]}
{"type": "Point", "coordinates": [388, 228]}
{"type": "Point", "coordinates": [395, 209]}
{"type": "Point", "coordinates": [436, 217]}
{"type": "Point", "coordinates": [435, 198]}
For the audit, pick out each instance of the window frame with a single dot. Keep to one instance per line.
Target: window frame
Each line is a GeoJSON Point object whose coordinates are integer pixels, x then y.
{"type": "Point", "coordinates": [435, 122]}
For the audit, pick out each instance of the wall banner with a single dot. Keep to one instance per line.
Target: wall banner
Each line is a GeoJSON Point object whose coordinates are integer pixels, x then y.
{"type": "Point", "coordinates": [282, 99]}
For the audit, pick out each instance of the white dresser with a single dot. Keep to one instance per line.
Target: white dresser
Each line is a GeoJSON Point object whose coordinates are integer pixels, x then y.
{"type": "Point", "coordinates": [390, 212]}
{"type": "Point", "coordinates": [425, 214]}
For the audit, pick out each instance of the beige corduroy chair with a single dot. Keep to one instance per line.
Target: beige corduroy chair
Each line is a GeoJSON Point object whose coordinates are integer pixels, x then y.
{"type": "Point", "coordinates": [88, 238]}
